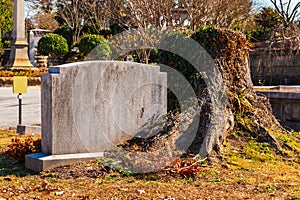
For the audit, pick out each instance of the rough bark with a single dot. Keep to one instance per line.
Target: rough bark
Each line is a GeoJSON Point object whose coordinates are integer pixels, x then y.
{"type": "Point", "coordinates": [245, 109]}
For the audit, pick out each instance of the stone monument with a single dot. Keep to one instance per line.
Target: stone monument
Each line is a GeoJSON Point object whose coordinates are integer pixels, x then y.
{"type": "Point", "coordinates": [31, 48]}
{"type": "Point", "coordinates": [19, 49]}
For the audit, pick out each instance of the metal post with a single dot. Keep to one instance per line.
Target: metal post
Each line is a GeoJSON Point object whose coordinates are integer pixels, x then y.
{"type": "Point", "coordinates": [20, 108]}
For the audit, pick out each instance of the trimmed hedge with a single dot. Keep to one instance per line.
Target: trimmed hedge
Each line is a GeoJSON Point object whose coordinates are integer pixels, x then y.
{"type": "Point", "coordinates": [53, 44]}
{"type": "Point", "coordinates": [94, 45]}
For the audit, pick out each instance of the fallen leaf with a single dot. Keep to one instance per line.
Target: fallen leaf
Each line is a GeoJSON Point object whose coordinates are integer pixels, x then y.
{"type": "Point", "coordinates": [59, 193]}
{"type": "Point", "coordinates": [141, 191]}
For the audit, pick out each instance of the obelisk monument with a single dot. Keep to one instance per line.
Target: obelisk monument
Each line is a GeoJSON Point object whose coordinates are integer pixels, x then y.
{"type": "Point", "coordinates": [19, 48]}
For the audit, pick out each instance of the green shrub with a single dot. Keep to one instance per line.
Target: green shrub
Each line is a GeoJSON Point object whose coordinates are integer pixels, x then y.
{"type": "Point", "coordinates": [267, 20]}
{"type": "Point", "coordinates": [1, 48]}
{"type": "Point", "coordinates": [53, 45]}
{"type": "Point", "coordinates": [7, 44]}
{"type": "Point", "coordinates": [67, 33]}
{"type": "Point", "coordinates": [95, 45]}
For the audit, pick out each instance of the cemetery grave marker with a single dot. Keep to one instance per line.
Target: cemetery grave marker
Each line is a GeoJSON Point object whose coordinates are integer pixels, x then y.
{"type": "Point", "coordinates": [90, 106]}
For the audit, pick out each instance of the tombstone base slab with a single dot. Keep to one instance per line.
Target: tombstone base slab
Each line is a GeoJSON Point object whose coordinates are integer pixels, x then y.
{"type": "Point", "coordinates": [39, 161]}
{"type": "Point", "coordinates": [27, 130]}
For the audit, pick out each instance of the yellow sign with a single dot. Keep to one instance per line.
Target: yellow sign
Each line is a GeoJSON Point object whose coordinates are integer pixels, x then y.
{"type": "Point", "coordinates": [20, 84]}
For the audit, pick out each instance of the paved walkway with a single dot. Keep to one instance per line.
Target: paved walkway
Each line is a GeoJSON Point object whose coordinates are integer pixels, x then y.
{"type": "Point", "coordinates": [9, 107]}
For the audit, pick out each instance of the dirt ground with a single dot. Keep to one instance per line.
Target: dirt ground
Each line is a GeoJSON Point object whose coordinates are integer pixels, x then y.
{"type": "Point", "coordinates": [246, 170]}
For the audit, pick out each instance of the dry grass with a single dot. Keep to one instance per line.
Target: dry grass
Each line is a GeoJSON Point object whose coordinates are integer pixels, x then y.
{"type": "Point", "coordinates": [247, 170]}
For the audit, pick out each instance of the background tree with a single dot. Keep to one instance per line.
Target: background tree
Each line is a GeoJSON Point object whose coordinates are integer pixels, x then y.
{"type": "Point", "coordinates": [267, 20]}
{"type": "Point", "coordinates": [6, 16]}
{"type": "Point", "coordinates": [287, 10]}
{"type": "Point", "coordinates": [169, 14]}
{"type": "Point", "coordinates": [41, 5]}
{"type": "Point", "coordinates": [45, 20]}
{"type": "Point", "coordinates": [6, 24]}
{"type": "Point", "coordinates": [98, 14]}
{"type": "Point", "coordinates": [221, 13]}
{"type": "Point", "coordinates": [72, 14]}
{"type": "Point", "coordinates": [42, 14]}
{"type": "Point", "coordinates": [278, 27]}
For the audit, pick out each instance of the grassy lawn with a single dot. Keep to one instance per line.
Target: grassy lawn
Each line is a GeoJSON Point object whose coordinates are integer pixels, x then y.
{"type": "Point", "coordinates": [246, 170]}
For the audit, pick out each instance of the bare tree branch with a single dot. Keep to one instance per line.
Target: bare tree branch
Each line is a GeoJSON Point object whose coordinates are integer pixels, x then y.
{"type": "Point", "coordinates": [286, 13]}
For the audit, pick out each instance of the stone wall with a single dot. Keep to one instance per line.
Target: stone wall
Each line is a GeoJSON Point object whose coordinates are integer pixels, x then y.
{"type": "Point", "coordinates": [91, 106]}
{"type": "Point", "coordinates": [285, 102]}
{"type": "Point", "coordinates": [274, 67]}
{"type": "Point", "coordinates": [287, 111]}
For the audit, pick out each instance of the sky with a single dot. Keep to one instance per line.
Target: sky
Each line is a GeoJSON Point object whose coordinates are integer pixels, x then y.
{"type": "Point", "coordinates": [267, 3]}
{"type": "Point", "coordinates": [28, 11]}
{"type": "Point", "coordinates": [264, 3]}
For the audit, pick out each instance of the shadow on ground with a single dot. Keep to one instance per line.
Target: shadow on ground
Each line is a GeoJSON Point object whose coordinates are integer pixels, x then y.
{"type": "Point", "coordinates": [9, 166]}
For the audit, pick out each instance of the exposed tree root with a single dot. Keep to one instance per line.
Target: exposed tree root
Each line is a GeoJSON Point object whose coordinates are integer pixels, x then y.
{"type": "Point", "coordinates": [251, 112]}
{"type": "Point", "coordinates": [245, 110]}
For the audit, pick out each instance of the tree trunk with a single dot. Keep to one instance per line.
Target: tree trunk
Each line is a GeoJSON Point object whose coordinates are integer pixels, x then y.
{"type": "Point", "coordinates": [201, 128]}
{"type": "Point", "coordinates": [245, 109]}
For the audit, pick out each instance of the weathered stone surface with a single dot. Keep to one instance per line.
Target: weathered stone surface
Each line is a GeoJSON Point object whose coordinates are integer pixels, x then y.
{"type": "Point", "coordinates": [285, 101]}
{"type": "Point", "coordinates": [273, 68]}
{"type": "Point", "coordinates": [91, 106]}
